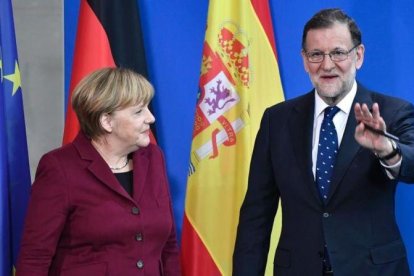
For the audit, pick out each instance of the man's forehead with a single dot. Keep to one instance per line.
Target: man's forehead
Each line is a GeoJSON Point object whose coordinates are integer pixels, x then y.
{"type": "Point", "coordinates": [337, 35]}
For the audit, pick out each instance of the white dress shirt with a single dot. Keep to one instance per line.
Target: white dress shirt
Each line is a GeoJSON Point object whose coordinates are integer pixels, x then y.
{"type": "Point", "coordinates": [340, 120]}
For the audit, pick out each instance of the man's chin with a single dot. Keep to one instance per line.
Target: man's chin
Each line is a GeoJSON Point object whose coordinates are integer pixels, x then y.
{"type": "Point", "coordinates": [329, 91]}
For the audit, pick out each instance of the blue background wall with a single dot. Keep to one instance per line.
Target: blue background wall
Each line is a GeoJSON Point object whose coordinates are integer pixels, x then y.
{"type": "Point", "coordinates": [174, 35]}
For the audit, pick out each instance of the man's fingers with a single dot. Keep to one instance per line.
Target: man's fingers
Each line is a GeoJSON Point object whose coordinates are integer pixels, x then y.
{"type": "Point", "coordinates": [375, 111]}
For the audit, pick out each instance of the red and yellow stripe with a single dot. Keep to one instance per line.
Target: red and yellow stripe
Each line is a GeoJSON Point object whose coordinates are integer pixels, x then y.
{"type": "Point", "coordinates": [239, 79]}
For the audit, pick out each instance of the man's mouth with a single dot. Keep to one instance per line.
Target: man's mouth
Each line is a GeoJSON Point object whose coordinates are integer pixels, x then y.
{"type": "Point", "coordinates": [329, 77]}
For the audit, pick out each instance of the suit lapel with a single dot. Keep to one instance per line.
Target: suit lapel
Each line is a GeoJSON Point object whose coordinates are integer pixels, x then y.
{"type": "Point", "coordinates": [349, 146]}
{"type": "Point", "coordinates": [98, 166]}
{"type": "Point", "coordinates": [301, 129]}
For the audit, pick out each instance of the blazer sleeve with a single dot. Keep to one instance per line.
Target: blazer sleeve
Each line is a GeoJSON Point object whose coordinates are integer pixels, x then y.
{"type": "Point", "coordinates": [45, 219]}
{"type": "Point", "coordinates": [170, 253]}
{"type": "Point", "coordinates": [258, 209]}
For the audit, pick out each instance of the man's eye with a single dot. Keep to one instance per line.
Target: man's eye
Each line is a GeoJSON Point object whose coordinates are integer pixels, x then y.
{"type": "Point", "coordinates": [338, 53]}
{"type": "Point", "coordinates": [315, 54]}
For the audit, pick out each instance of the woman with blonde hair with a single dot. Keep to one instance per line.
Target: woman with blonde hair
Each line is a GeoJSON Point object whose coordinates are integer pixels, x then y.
{"type": "Point", "coordinates": [101, 204]}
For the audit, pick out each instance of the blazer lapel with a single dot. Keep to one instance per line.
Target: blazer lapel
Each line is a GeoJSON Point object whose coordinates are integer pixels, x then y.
{"type": "Point", "coordinates": [141, 164]}
{"type": "Point", "coordinates": [104, 174]}
{"type": "Point", "coordinates": [98, 166]}
{"type": "Point", "coordinates": [301, 129]}
{"type": "Point", "coordinates": [349, 146]}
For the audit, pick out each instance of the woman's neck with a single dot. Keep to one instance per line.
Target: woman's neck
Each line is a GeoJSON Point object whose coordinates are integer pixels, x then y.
{"type": "Point", "coordinates": [117, 162]}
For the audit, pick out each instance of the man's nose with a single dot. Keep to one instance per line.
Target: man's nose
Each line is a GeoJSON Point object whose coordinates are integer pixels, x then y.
{"type": "Point", "coordinates": [327, 63]}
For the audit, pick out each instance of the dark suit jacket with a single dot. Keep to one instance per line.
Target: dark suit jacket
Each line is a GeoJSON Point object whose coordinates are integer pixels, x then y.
{"type": "Point", "coordinates": [81, 221]}
{"type": "Point", "coordinates": [358, 221]}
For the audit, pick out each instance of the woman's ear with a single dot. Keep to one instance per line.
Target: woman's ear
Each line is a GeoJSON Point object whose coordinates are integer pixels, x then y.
{"type": "Point", "coordinates": [106, 122]}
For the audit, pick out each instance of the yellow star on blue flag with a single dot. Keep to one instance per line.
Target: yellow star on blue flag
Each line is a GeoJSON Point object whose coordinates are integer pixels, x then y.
{"type": "Point", "coordinates": [14, 164]}
{"type": "Point", "coordinates": [14, 78]}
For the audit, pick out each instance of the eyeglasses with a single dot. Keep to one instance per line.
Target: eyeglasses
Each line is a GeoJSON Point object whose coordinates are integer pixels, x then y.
{"type": "Point", "coordinates": [335, 55]}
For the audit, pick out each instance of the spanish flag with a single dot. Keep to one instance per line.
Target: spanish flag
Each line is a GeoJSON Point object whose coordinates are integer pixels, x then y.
{"type": "Point", "coordinates": [239, 78]}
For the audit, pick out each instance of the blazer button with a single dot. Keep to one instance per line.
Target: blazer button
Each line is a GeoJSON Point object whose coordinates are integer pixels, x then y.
{"type": "Point", "coordinates": [140, 264]}
{"type": "Point", "coordinates": [135, 210]}
{"type": "Point", "coordinates": [139, 236]}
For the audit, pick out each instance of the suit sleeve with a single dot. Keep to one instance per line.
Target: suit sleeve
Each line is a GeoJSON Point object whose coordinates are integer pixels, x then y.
{"type": "Point", "coordinates": [403, 127]}
{"type": "Point", "coordinates": [46, 216]}
{"type": "Point", "coordinates": [258, 209]}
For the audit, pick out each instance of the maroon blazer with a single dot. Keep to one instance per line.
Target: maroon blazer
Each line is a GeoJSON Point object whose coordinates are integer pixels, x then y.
{"type": "Point", "coordinates": [81, 221]}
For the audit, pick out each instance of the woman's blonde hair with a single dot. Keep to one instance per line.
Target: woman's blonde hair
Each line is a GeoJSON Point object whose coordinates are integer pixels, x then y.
{"type": "Point", "coordinates": [107, 90]}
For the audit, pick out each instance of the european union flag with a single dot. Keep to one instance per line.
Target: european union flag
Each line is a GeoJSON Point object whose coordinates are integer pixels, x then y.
{"type": "Point", "coordinates": [14, 165]}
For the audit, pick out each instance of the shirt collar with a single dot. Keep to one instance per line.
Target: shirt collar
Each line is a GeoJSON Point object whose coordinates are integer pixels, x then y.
{"type": "Point", "coordinates": [344, 105]}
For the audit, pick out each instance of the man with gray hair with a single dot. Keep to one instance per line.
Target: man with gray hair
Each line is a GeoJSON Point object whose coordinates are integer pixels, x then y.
{"type": "Point", "coordinates": [333, 157]}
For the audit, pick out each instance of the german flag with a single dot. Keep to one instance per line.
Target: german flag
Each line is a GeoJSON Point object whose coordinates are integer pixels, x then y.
{"type": "Point", "coordinates": [108, 35]}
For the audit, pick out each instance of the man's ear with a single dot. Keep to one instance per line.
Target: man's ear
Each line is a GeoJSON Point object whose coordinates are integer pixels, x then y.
{"type": "Point", "coordinates": [305, 61]}
{"type": "Point", "coordinates": [106, 122]}
{"type": "Point", "coordinates": [360, 56]}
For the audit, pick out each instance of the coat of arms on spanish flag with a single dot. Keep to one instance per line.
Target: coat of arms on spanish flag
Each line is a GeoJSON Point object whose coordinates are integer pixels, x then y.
{"type": "Point", "coordinates": [239, 79]}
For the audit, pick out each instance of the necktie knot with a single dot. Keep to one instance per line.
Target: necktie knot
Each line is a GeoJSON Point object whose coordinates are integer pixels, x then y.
{"type": "Point", "coordinates": [330, 112]}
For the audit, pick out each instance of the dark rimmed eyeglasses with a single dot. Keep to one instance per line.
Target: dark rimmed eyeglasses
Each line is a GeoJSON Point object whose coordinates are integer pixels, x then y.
{"type": "Point", "coordinates": [335, 55]}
